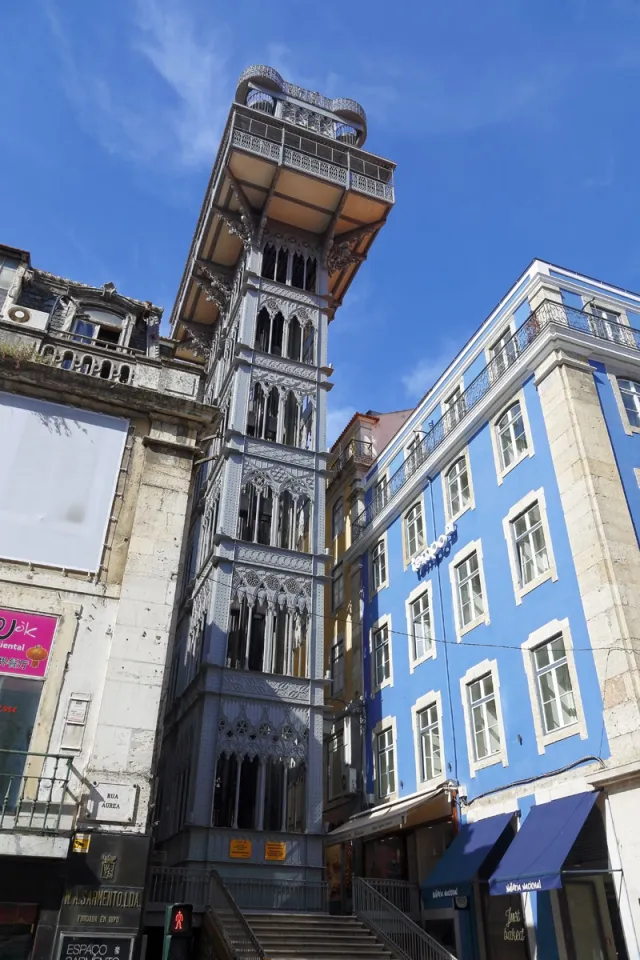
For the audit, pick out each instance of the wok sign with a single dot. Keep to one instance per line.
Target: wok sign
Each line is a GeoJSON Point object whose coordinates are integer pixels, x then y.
{"type": "Point", "coordinates": [25, 642]}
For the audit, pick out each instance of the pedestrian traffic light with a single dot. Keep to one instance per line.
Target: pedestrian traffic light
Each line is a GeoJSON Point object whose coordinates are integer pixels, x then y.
{"type": "Point", "coordinates": [178, 930]}
{"type": "Point", "coordinates": [181, 920]}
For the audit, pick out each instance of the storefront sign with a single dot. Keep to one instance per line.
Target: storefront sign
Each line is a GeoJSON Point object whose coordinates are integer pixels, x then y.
{"type": "Point", "coordinates": [81, 843]}
{"type": "Point", "coordinates": [461, 903]}
{"type": "Point", "coordinates": [95, 948]}
{"type": "Point", "coordinates": [513, 925]}
{"type": "Point", "coordinates": [432, 555]}
{"type": "Point", "coordinates": [112, 802]}
{"type": "Point", "coordinates": [275, 851]}
{"type": "Point", "coordinates": [240, 849]}
{"type": "Point", "coordinates": [25, 642]}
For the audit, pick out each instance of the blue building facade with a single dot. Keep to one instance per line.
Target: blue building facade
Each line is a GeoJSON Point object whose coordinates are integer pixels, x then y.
{"type": "Point", "coordinates": [498, 541]}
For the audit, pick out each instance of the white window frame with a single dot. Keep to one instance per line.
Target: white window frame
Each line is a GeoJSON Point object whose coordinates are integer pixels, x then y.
{"type": "Point", "coordinates": [627, 426]}
{"type": "Point", "coordinates": [551, 573]}
{"type": "Point", "coordinates": [384, 583]}
{"type": "Point", "coordinates": [536, 639]}
{"type": "Point", "coordinates": [475, 673]}
{"type": "Point", "coordinates": [337, 529]}
{"type": "Point", "coordinates": [381, 479]}
{"type": "Point", "coordinates": [387, 723]}
{"type": "Point", "coordinates": [384, 621]}
{"type": "Point", "coordinates": [337, 644]}
{"type": "Point", "coordinates": [509, 327]}
{"type": "Point", "coordinates": [591, 305]}
{"type": "Point", "coordinates": [474, 546]}
{"type": "Point", "coordinates": [433, 698]}
{"type": "Point", "coordinates": [471, 503]}
{"type": "Point", "coordinates": [416, 436]}
{"type": "Point", "coordinates": [406, 555]}
{"type": "Point", "coordinates": [416, 594]}
{"type": "Point", "coordinates": [501, 472]}
{"type": "Point", "coordinates": [447, 405]}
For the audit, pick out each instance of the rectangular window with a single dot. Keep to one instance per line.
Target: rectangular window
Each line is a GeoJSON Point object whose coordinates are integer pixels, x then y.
{"type": "Point", "coordinates": [381, 655]}
{"type": "Point", "coordinates": [337, 518]}
{"type": "Point", "coordinates": [454, 407]}
{"type": "Point", "coordinates": [483, 710]}
{"type": "Point", "coordinates": [414, 453]}
{"type": "Point", "coordinates": [337, 588]}
{"type": "Point", "coordinates": [335, 749]}
{"type": "Point", "coordinates": [421, 629]}
{"type": "Point", "coordinates": [378, 566]}
{"type": "Point", "coordinates": [380, 495]}
{"type": "Point", "coordinates": [458, 487]}
{"type": "Point", "coordinates": [386, 766]}
{"type": "Point", "coordinates": [608, 325]}
{"type": "Point", "coordinates": [429, 740]}
{"type": "Point", "coordinates": [337, 666]}
{"type": "Point", "coordinates": [531, 549]}
{"type": "Point", "coordinates": [553, 681]}
{"type": "Point", "coordinates": [630, 392]}
{"type": "Point", "coordinates": [511, 436]}
{"type": "Point", "coordinates": [503, 353]}
{"type": "Point", "coordinates": [470, 599]}
{"type": "Point", "coordinates": [414, 530]}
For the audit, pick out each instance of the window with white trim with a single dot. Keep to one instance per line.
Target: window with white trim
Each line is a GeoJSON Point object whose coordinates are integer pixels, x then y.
{"type": "Point", "coordinates": [414, 452]}
{"type": "Point", "coordinates": [385, 764]}
{"type": "Point", "coordinates": [454, 407]}
{"type": "Point", "coordinates": [337, 518]}
{"type": "Point", "coordinates": [503, 353]}
{"type": "Point", "coordinates": [608, 325]}
{"type": "Point", "coordinates": [483, 713]}
{"type": "Point", "coordinates": [630, 393]}
{"type": "Point", "coordinates": [469, 585]}
{"type": "Point", "coordinates": [378, 566]}
{"type": "Point", "coordinates": [337, 666]}
{"type": "Point", "coordinates": [428, 733]}
{"type": "Point", "coordinates": [94, 323]}
{"type": "Point", "coordinates": [458, 487]}
{"type": "Point", "coordinates": [553, 683]}
{"type": "Point", "coordinates": [381, 649]}
{"type": "Point", "coordinates": [511, 436]}
{"type": "Point", "coordinates": [421, 627]}
{"type": "Point", "coordinates": [380, 494]}
{"type": "Point", "coordinates": [530, 544]}
{"type": "Point", "coordinates": [413, 530]}
{"type": "Point", "coordinates": [337, 587]}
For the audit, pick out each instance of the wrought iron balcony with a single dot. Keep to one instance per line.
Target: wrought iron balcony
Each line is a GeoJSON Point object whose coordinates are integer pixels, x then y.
{"type": "Point", "coordinates": [548, 313]}
{"type": "Point", "coordinates": [359, 452]}
{"type": "Point", "coordinates": [316, 155]}
{"type": "Point", "coordinates": [35, 792]}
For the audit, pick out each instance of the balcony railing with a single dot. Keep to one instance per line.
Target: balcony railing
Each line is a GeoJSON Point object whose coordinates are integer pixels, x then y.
{"type": "Point", "coordinates": [402, 894]}
{"type": "Point", "coordinates": [356, 451]}
{"type": "Point", "coordinates": [307, 896]}
{"type": "Point", "coordinates": [35, 793]}
{"type": "Point", "coordinates": [318, 156]}
{"type": "Point", "coordinates": [549, 312]}
{"type": "Point", "coordinates": [93, 358]}
{"type": "Point", "coordinates": [389, 923]}
{"type": "Point", "coordinates": [179, 885]}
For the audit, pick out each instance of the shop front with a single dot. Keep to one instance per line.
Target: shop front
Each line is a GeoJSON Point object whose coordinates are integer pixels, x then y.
{"type": "Point", "coordinates": [545, 889]}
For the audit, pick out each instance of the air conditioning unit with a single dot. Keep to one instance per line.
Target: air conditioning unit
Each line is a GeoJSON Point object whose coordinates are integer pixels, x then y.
{"type": "Point", "coordinates": [34, 319]}
{"type": "Point", "coordinates": [349, 779]}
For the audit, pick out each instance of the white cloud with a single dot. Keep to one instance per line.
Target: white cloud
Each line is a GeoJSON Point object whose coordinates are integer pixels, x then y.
{"type": "Point", "coordinates": [166, 97]}
{"type": "Point", "coordinates": [337, 419]}
{"type": "Point", "coordinates": [422, 375]}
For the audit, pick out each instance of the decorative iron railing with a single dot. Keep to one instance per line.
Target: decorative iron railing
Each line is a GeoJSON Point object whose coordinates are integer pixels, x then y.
{"type": "Point", "coordinates": [393, 926]}
{"type": "Point", "coordinates": [35, 792]}
{"type": "Point", "coordinates": [358, 451]}
{"type": "Point", "coordinates": [306, 896]}
{"type": "Point", "coordinates": [179, 885]}
{"type": "Point", "coordinates": [549, 312]}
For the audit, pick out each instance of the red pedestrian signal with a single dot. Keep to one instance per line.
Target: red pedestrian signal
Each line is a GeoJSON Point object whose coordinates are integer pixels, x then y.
{"type": "Point", "coordinates": [181, 920]}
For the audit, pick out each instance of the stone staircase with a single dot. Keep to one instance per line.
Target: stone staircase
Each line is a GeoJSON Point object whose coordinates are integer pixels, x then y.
{"type": "Point", "coordinates": [306, 936]}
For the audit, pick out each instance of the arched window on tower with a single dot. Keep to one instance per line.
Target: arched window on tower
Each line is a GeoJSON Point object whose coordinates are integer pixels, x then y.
{"type": "Point", "coordinates": [294, 345]}
{"type": "Point", "coordinates": [308, 353]}
{"type": "Point", "coordinates": [266, 638]}
{"type": "Point", "coordinates": [262, 421]}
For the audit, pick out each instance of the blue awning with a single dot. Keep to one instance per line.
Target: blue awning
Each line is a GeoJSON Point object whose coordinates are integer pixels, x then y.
{"type": "Point", "coordinates": [535, 858]}
{"type": "Point", "coordinates": [454, 872]}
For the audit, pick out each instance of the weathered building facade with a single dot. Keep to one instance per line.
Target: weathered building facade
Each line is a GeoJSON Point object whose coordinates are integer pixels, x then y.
{"type": "Point", "coordinates": [291, 210]}
{"type": "Point", "coordinates": [99, 424]}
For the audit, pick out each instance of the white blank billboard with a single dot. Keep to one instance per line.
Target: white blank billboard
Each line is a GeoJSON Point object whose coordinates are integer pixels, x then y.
{"type": "Point", "coordinates": [57, 481]}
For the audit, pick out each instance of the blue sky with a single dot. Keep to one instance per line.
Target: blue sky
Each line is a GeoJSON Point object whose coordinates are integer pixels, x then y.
{"type": "Point", "coordinates": [514, 125]}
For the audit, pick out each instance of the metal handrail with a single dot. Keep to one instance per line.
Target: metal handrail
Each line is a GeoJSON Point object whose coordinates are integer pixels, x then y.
{"type": "Point", "coordinates": [308, 896]}
{"type": "Point", "coordinates": [179, 885]}
{"type": "Point", "coordinates": [233, 927]}
{"type": "Point", "coordinates": [393, 926]}
{"type": "Point", "coordinates": [549, 312]}
{"type": "Point", "coordinates": [402, 894]}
